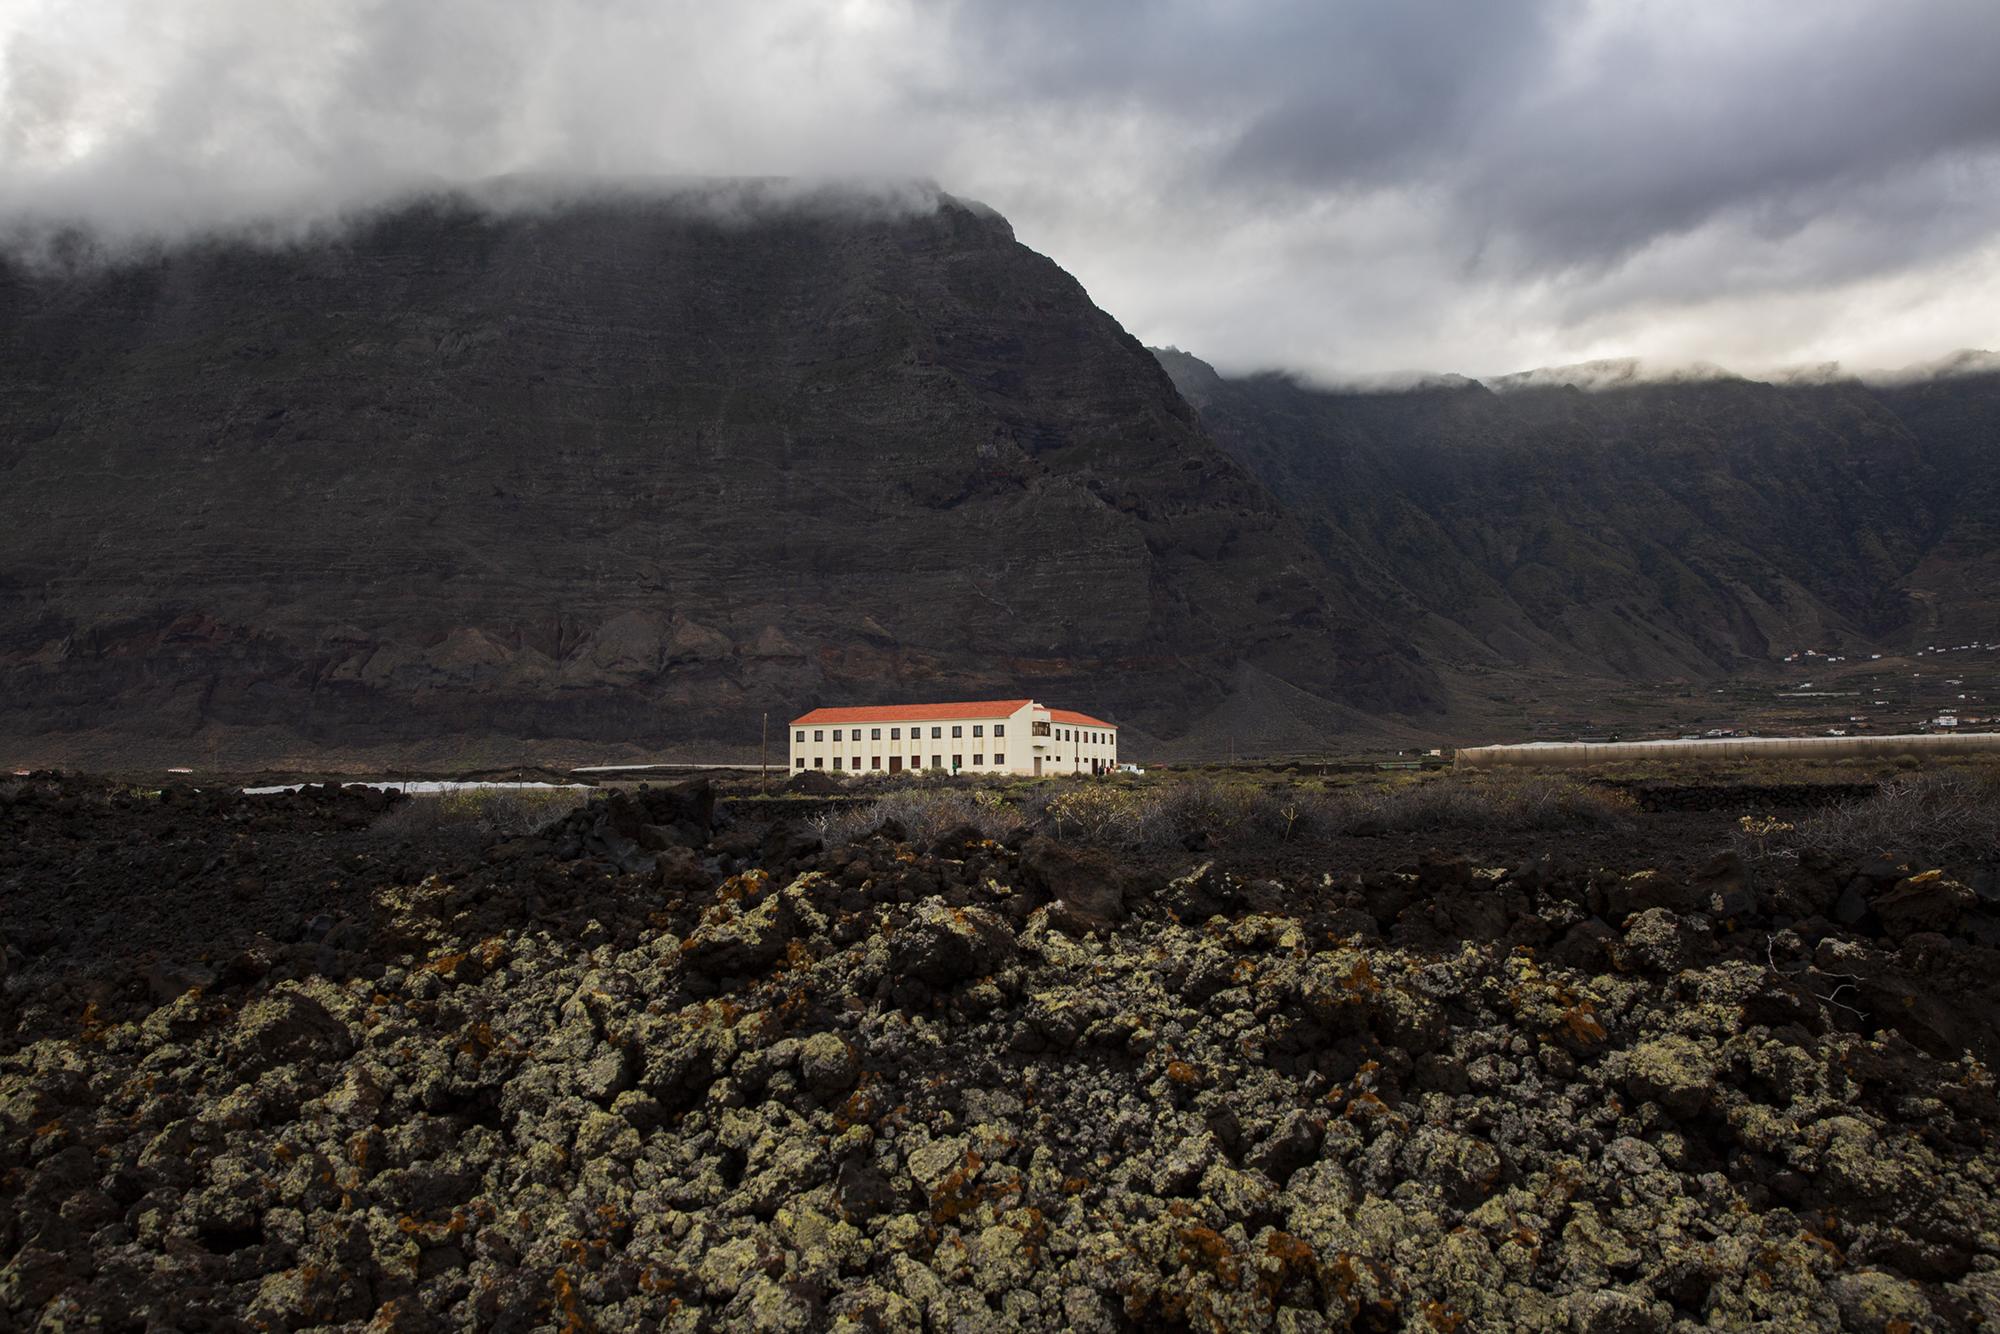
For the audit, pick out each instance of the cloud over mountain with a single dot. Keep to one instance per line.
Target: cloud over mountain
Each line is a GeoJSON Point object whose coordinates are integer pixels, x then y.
{"type": "Point", "coordinates": [1344, 188]}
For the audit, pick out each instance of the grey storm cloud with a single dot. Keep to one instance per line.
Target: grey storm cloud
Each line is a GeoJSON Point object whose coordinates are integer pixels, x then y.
{"type": "Point", "coordinates": [1343, 188]}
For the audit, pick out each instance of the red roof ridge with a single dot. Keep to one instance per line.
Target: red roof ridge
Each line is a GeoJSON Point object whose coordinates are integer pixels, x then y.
{"type": "Point", "coordinates": [890, 713]}
{"type": "Point", "coordinates": [1078, 719]}
{"type": "Point", "coordinates": [906, 713]}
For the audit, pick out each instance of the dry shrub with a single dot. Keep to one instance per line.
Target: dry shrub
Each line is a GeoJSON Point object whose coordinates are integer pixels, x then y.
{"type": "Point", "coordinates": [1094, 814]}
{"type": "Point", "coordinates": [1158, 816]}
{"type": "Point", "coordinates": [921, 814]}
{"type": "Point", "coordinates": [1172, 813]}
{"type": "Point", "coordinates": [471, 813]}
{"type": "Point", "coordinates": [1540, 802]}
{"type": "Point", "coordinates": [1761, 838]}
{"type": "Point", "coordinates": [1177, 813]}
{"type": "Point", "coordinates": [1934, 814]}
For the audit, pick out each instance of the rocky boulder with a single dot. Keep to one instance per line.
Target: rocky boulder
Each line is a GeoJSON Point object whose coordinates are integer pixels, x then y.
{"type": "Point", "coordinates": [285, 1027]}
{"type": "Point", "coordinates": [1676, 1072]}
{"type": "Point", "coordinates": [944, 946]}
{"type": "Point", "coordinates": [1085, 889]}
{"type": "Point", "coordinates": [733, 941]}
{"type": "Point", "coordinates": [1645, 890]}
{"type": "Point", "coordinates": [1927, 901]}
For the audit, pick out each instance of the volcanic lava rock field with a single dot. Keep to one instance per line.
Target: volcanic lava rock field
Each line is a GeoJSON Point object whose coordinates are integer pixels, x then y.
{"type": "Point", "coordinates": [672, 1063]}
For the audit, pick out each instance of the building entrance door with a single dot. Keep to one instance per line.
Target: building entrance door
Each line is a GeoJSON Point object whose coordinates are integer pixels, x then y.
{"type": "Point", "coordinates": [895, 764]}
{"type": "Point", "coordinates": [1038, 766]}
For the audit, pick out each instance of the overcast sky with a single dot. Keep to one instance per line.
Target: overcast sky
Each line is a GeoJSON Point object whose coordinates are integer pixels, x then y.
{"type": "Point", "coordinates": [1346, 189]}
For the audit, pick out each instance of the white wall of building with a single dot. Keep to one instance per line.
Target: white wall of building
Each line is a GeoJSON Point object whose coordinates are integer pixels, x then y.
{"type": "Point", "coordinates": [973, 742]}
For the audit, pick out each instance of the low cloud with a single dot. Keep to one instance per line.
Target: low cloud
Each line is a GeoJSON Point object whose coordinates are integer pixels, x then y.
{"type": "Point", "coordinates": [1346, 189]}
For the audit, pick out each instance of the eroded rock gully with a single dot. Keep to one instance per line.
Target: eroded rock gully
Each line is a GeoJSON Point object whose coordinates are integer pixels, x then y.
{"type": "Point", "coordinates": [742, 1081]}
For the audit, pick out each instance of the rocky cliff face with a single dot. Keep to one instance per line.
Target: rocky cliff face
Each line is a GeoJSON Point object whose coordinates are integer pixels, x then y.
{"type": "Point", "coordinates": [1648, 532]}
{"type": "Point", "coordinates": [1955, 586]}
{"type": "Point", "coordinates": [620, 473]}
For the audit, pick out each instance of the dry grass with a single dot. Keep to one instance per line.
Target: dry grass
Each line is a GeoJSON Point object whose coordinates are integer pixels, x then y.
{"type": "Point", "coordinates": [1540, 802]}
{"type": "Point", "coordinates": [1788, 771]}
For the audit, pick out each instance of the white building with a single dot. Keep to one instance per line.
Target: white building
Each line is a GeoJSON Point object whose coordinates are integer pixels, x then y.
{"type": "Point", "coordinates": [993, 736]}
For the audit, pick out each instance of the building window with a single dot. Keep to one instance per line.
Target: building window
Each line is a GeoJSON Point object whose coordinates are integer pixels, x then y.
{"type": "Point", "coordinates": [819, 761]}
{"type": "Point", "coordinates": [874, 761]}
{"type": "Point", "coordinates": [802, 734]}
{"type": "Point", "coordinates": [895, 734]}
{"type": "Point", "coordinates": [916, 761]}
{"type": "Point", "coordinates": [1038, 728]}
{"type": "Point", "coordinates": [857, 758]}
{"type": "Point", "coordinates": [957, 731]}
{"type": "Point", "coordinates": [978, 760]}
{"type": "Point", "coordinates": [958, 761]}
{"type": "Point", "coordinates": [802, 762]}
{"type": "Point", "coordinates": [978, 729]}
{"type": "Point", "coordinates": [999, 729]}
{"type": "Point", "coordinates": [836, 761]}
{"type": "Point", "coordinates": [936, 732]}
{"type": "Point", "coordinates": [937, 761]}
{"type": "Point", "coordinates": [836, 734]}
{"type": "Point", "coordinates": [998, 759]}
{"type": "Point", "coordinates": [819, 734]}
{"type": "Point", "coordinates": [874, 734]}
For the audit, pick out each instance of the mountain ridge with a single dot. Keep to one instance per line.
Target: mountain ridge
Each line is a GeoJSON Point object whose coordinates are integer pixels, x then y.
{"type": "Point", "coordinates": [612, 479]}
{"type": "Point", "coordinates": [1650, 530]}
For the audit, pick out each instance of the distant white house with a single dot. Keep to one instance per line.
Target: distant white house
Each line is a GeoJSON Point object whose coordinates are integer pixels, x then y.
{"type": "Point", "coordinates": [1011, 736]}
{"type": "Point", "coordinates": [1946, 719]}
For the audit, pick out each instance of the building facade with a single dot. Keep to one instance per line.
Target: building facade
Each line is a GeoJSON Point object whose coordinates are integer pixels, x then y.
{"type": "Point", "coordinates": [993, 736]}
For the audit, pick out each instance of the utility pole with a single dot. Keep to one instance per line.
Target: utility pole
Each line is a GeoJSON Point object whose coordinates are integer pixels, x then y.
{"type": "Point", "coordinates": [763, 760]}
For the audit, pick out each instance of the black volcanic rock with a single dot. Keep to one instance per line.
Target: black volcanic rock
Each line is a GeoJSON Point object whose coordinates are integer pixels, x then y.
{"type": "Point", "coordinates": [620, 471]}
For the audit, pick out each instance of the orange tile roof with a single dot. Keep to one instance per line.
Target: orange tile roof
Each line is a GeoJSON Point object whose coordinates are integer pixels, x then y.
{"type": "Point", "coordinates": [910, 713]}
{"type": "Point", "coordinates": [932, 713]}
{"type": "Point", "coordinates": [1079, 719]}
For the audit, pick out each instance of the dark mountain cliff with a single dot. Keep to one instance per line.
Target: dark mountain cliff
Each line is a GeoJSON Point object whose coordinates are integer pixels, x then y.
{"type": "Point", "coordinates": [1956, 585]}
{"type": "Point", "coordinates": [1650, 532]}
{"type": "Point", "coordinates": [626, 475]}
